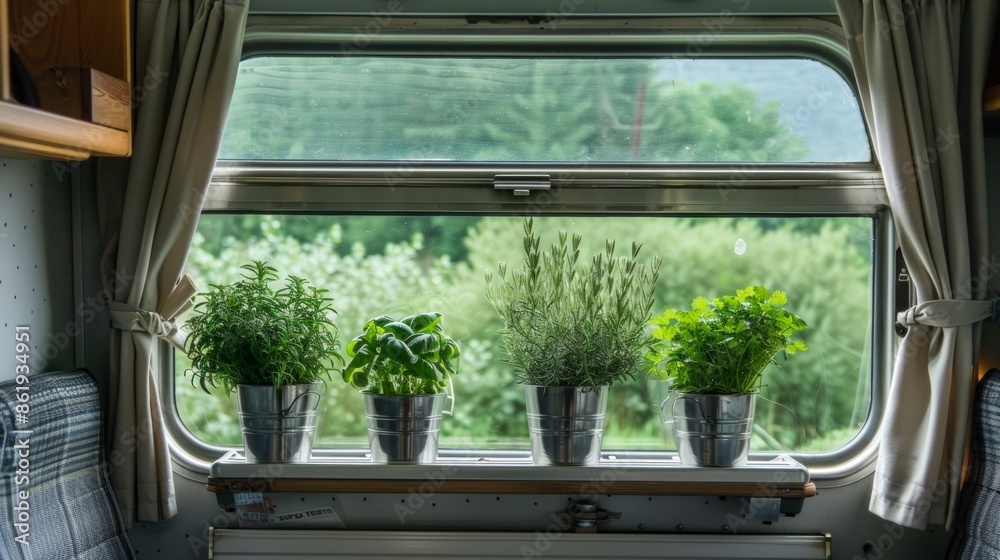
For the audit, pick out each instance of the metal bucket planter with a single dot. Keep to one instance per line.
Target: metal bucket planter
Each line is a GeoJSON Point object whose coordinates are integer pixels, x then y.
{"type": "Point", "coordinates": [565, 424]}
{"type": "Point", "coordinates": [712, 430]}
{"type": "Point", "coordinates": [404, 429]}
{"type": "Point", "coordinates": [278, 422]}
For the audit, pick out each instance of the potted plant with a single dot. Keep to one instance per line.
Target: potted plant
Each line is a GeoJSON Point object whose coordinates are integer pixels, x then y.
{"type": "Point", "coordinates": [404, 369]}
{"type": "Point", "coordinates": [714, 356]}
{"type": "Point", "coordinates": [571, 329]}
{"type": "Point", "coordinates": [272, 347]}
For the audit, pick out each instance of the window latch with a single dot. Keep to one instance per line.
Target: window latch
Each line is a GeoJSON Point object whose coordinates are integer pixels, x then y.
{"type": "Point", "coordinates": [904, 291]}
{"type": "Point", "coordinates": [522, 185]}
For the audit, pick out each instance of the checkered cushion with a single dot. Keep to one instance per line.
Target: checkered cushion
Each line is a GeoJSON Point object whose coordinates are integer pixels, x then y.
{"type": "Point", "coordinates": [69, 511]}
{"type": "Point", "coordinates": [977, 535]}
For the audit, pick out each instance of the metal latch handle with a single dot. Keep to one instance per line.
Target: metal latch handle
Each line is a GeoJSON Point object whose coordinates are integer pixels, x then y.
{"type": "Point", "coordinates": [522, 185]}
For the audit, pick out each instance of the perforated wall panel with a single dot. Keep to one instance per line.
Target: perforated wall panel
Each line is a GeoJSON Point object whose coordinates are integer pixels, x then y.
{"type": "Point", "coordinates": [36, 267]}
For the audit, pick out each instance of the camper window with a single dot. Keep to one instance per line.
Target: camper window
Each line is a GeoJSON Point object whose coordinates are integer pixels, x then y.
{"type": "Point", "coordinates": [378, 174]}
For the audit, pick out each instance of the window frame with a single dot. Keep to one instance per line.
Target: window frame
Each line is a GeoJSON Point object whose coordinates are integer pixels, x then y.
{"type": "Point", "coordinates": [754, 189]}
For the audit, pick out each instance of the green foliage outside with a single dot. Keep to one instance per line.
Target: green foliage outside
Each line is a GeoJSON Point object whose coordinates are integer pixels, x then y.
{"type": "Point", "coordinates": [496, 109]}
{"type": "Point", "coordinates": [823, 263]}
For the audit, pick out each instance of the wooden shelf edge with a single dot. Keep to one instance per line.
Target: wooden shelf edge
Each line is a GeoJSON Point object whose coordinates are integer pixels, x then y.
{"type": "Point", "coordinates": [386, 486]}
{"type": "Point", "coordinates": [39, 133]}
{"type": "Point", "coordinates": [991, 102]}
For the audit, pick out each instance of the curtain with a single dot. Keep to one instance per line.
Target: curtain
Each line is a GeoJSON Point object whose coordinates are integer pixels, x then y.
{"type": "Point", "coordinates": [186, 56]}
{"type": "Point", "coordinates": [920, 67]}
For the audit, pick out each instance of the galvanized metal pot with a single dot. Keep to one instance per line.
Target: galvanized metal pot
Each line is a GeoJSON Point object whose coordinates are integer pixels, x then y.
{"type": "Point", "coordinates": [565, 424]}
{"type": "Point", "coordinates": [278, 422]}
{"type": "Point", "coordinates": [712, 430]}
{"type": "Point", "coordinates": [404, 428]}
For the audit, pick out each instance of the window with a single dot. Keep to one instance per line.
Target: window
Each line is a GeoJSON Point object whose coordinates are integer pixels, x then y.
{"type": "Point", "coordinates": [543, 109]}
{"type": "Point", "coordinates": [380, 176]}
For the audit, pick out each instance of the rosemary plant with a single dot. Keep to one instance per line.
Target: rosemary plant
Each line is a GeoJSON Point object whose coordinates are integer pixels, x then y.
{"type": "Point", "coordinates": [248, 333]}
{"type": "Point", "coordinates": [571, 323]}
{"type": "Point", "coordinates": [722, 346]}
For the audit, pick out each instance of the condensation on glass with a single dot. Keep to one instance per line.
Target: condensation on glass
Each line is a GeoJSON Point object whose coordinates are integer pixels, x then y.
{"type": "Point", "coordinates": [506, 109]}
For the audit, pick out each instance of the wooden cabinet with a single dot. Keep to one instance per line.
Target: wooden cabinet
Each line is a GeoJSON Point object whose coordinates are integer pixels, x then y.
{"type": "Point", "coordinates": [991, 95]}
{"type": "Point", "coordinates": [65, 79]}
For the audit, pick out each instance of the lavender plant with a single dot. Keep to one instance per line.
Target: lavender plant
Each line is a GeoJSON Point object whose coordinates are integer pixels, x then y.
{"type": "Point", "coordinates": [573, 323]}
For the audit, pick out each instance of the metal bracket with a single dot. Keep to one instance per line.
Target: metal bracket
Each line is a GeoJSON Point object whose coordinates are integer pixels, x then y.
{"type": "Point", "coordinates": [767, 510]}
{"type": "Point", "coordinates": [586, 515]}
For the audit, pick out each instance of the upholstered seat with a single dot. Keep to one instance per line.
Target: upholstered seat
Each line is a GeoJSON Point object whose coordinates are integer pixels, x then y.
{"type": "Point", "coordinates": [977, 534]}
{"type": "Point", "coordinates": [55, 496]}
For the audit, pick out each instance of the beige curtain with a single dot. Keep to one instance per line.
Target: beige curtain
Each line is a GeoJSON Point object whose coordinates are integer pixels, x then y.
{"type": "Point", "coordinates": [920, 65]}
{"type": "Point", "coordinates": [186, 56]}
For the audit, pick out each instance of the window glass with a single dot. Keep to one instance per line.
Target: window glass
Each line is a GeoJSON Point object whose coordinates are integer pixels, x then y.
{"type": "Point", "coordinates": [396, 265]}
{"type": "Point", "coordinates": [365, 108]}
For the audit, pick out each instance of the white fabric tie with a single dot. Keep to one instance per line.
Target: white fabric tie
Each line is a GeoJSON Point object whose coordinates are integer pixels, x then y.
{"type": "Point", "coordinates": [947, 313]}
{"type": "Point", "coordinates": [160, 323]}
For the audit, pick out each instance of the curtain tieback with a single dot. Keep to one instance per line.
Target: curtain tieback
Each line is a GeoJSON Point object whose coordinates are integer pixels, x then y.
{"type": "Point", "coordinates": [949, 312]}
{"type": "Point", "coordinates": [161, 322]}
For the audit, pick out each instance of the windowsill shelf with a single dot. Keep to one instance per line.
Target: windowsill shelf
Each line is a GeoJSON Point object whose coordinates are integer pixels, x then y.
{"type": "Point", "coordinates": [780, 477]}
{"type": "Point", "coordinates": [30, 132]}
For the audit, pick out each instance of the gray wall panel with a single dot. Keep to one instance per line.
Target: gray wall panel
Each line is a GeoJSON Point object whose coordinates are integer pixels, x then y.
{"type": "Point", "coordinates": [36, 265]}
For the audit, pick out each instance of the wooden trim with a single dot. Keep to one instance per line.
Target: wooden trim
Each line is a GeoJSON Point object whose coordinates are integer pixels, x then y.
{"type": "Point", "coordinates": [5, 94]}
{"type": "Point", "coordinates": [629, 488]}
{"type": "Point", "coordinates": [14, 148]}
{"type": "Point", "coordinates": [991, 102]}
{"type": "Point", "coordinates": [40, 132]}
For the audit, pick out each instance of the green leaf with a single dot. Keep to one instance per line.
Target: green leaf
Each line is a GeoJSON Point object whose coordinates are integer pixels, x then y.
{"type": "Point", "coordinates": [424, 343]}
{"type": "Point", "coordinates": [426, 370]}
{"type": "Point", "coordinates": [361, 361]}
{"type": "Point", "coordinates": [396, 349]}
{"type": "Point", "coordinates": [398, 329]}
{"type": "Point", "coordinates": [355, 345]}
{"type": "Point", "coordinates": [450, 350]}
{"type": "Point", "coordinates": [424, 322]}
